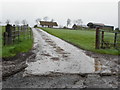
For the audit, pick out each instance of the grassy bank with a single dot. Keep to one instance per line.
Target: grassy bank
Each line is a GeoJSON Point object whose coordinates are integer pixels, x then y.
{"type": "Point", "coordinates": [11, 50]}
{"type": "Point", "coordinates": [84, 39]}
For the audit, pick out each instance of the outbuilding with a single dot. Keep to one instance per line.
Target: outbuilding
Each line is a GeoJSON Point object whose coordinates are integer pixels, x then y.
{"type": "Point", "coordinates": [48, 24]}
{"type": "Point", "coordinates": [105, 27]}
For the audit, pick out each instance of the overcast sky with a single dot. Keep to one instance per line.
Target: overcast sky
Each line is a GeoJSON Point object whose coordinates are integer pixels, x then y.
{"type": "Point", "coordinates": [99, 11]}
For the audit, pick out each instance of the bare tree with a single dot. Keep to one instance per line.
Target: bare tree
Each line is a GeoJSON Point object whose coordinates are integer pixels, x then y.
{"type": "Point", "coordinates": [45, 18]}
{"type": "Point", "coordinates": [16, 22]}
{"type": "Point", "coordinates": [52, 20]}
{"type": "Point", "coordinates": [24, 22]}
{"type": "Point", "coordinates": [75, 22]}
{"type": "Point", "coordinates": [68, 22]}
{"type": "Point", "coordinates": [38, 20]}
{"type": "Point", "coordinates": [79, 22]}
{"type": "Point", "coordinates": [8, 21]}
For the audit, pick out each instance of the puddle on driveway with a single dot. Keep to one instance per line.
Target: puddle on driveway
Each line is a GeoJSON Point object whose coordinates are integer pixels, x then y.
{"type": "Point", "coordinates": [56, 55]}
{"type": "Point", "coordinates": [55, 58]}
{"type": "Point", "coordinates": [98, 66]}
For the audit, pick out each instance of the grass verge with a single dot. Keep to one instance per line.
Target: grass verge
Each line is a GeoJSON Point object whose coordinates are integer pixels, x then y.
{"type": "Point", "coordinates": [84, 39]}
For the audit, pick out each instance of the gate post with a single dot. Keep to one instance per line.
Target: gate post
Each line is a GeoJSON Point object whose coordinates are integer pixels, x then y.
{"type": "Point", "coordinates": [115, 39]}
{"type": "Point", "coordinates": [97, 43]}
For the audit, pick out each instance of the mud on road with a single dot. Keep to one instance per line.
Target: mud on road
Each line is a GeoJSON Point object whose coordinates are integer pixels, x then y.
{"type": "Point", "coordinates": [15, 64]}
{"type": "Point", "coordinates": [61, 81]}
{"type": "Point", "coordinates": [57, 64]}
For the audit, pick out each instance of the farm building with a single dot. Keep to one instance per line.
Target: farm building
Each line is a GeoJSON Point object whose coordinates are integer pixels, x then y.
{"type": "Point", "coordinates": [79, 26]}
{"type": "Point", "coordinates": [76, 26]}
{"type": "Point", "coordinates": [48, 24]}
{"type": "Point", "coordinates": [105, 27]}
{"type": "Point", "coordinates": [94, 25]}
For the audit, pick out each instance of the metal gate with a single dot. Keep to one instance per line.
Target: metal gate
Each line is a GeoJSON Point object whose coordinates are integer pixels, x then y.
{"type": "Point", "coordinates": [107, 40]}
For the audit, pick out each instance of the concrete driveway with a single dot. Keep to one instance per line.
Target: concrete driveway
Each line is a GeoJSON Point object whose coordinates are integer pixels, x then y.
{"type": "Point", "coordinates": [58, 64]}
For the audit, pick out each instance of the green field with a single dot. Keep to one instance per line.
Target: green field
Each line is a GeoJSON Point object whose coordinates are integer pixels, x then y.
{"type": "Point", "coordinates": [11, 50]}
{"type": "Point", "coordinates": [84, 39]}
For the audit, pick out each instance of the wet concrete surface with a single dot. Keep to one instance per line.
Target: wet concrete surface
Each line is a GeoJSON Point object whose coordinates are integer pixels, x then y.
{"type": "Point", "coordinates": [56, 55]}
{"type": "Point", "coordinates": [61, 81]}
{"type": "Point", "coordinates": [58, 64]}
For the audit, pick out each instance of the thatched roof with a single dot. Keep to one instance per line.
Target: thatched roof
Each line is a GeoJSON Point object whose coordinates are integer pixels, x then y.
{"type": "Point", "coordinates": [46, 23]}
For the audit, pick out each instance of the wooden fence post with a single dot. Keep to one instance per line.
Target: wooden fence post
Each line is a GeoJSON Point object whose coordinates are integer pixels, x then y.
{"type": "Point", "coordinates": [21, 31]}
{"type": "Point", "coordinates": [24, 31]}
{"type": "Point", "coordinates": [27, 32]}
{"type": "Point", "coordinates": [102, 42]}
{"type": "Point", "coordinates": [115, 39]}
{"type": "Point", "coordinates": [5, 34]}
{"type": "Point", "coordinates": [30, 33]}
{"type": "Point", "coordinates": [18, 33]}
{"type": "Point", "coordinates": [13, 37]}
{"type": "Point", "coordinates": [9, 31]}
{"type": "Point", "coordinates": [97, 43]}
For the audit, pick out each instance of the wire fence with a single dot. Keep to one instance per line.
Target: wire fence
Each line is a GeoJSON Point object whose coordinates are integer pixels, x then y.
{"type": "Point", "coordinates": [15, 34]}
{"type": "Point", "coordinates": [107, 40]}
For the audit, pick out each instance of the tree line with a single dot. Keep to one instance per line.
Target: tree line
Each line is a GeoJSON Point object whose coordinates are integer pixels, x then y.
{"type": "Point", "coordinates": [17, 22]}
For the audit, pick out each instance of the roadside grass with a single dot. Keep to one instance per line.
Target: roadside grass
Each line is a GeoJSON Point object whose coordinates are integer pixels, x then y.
{"type": "Point", "coordinates": [11, 50]}
{"type": "Point", "coordinates": [84, 39]}
{"type": "Point", "coordinates": [1, 41]}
